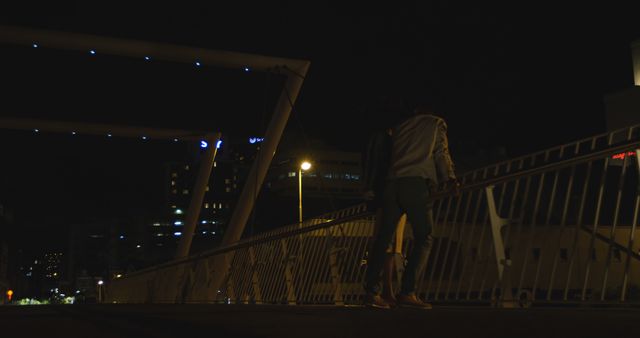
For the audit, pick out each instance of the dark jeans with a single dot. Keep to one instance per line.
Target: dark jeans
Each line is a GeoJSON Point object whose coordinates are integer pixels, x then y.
{"type": "Point", "coordinates": [403, 195]}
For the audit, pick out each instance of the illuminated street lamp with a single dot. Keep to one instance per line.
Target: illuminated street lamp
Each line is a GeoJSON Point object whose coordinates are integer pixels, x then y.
{"type": "Point", "coordinates": [305, 165]}
{"type": "Point", "coordinates": [100, 283]}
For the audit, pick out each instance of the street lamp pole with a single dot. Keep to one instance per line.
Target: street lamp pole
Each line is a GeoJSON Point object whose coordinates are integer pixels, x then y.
{"type": "Point", "coordinates": [305, 165]}
{"type": "Point", "coordinates": [300, 195]}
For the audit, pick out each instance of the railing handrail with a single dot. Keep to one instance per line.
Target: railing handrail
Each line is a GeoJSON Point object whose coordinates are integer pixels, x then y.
{"type": "Point", "coordinates": [280, 234]}
{"type": "Point", "coordinates": [628, 129]}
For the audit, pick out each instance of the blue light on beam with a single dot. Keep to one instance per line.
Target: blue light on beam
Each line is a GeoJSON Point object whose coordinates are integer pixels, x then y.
{"type": "Point", "coordinates": [219, 144]}
{"type": "Point", "coordinates": [177, 233]}
{"type": "Point", "coordinates": [204, 144]}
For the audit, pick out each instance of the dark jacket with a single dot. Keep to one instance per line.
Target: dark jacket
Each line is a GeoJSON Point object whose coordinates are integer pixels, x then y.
{"type": "Point", "coordinates": [375, 162]}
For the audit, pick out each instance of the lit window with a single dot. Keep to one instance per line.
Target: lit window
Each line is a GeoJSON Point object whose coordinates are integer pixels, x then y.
{"type": "Point", "coordinates": [185, 191]}
{"type": "Point", "coordinates": [206, 205]}
{"type": "Point", "coordinates": [173, 183]}
{"type": "Point", "coordinates": [215, 164]}
{"type": "Point", "coordinates": [174, 191]}
{"type": "Point", "coordinates": [186, 167]}
{"type": "Point", "coordinates": [219, 205]}
{"type": "Point", "coordinates": [206, 188]}
{"type": "Point", "coordinates": [292, 174]}
{"type": "Point", "coordinates": [227, 181]}
{"type": "Point", "coordinates": [174, 175]}
{"type": "Point", "coordinates": [228, 189]}
{"type": "Point", "coordinates": [235, 186]}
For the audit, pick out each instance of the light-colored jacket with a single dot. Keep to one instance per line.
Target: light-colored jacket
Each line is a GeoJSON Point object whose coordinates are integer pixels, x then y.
{"type": "Point", "coordinates": [421, 149]}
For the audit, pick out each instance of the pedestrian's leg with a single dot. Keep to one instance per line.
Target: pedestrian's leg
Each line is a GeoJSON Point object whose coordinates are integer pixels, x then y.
{"type": "Point", "coordinates": [413, 196]}
{"type": "Point", "coordinates": [387, 279]}
{"type": "Point", "coordinates": [377, 254]}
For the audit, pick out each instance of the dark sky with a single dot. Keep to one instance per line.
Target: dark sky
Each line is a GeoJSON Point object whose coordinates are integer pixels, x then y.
{"type": "Point", "coordinates": [523, 78]}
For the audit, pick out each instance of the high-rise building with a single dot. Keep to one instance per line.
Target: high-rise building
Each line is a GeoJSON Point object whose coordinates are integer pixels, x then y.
{"type": "Point", "coordinates": [4, 255]}
{"type": "Point", "coordinates": [623, 107]}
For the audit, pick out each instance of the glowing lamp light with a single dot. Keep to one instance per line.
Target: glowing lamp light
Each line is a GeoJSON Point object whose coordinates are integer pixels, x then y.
{"type": "Point", "coordinates": [144, 137]}
{"type": "Point", "coordinates": [218, 144]}
{"type": "Point", "coordinates": [305, 165]}
{"type": "Point", "coordinates": [146, 58]}
{"type": "Point", "coordinates": [177, 233]}
{"type": "Point", "coordinates": [203, 144]}
{"type": "Point", "coordinates": [178, 211]}
{"type": "Point", "coordinates": [73, 133]}
{"type": "Point", "coordinates": [177, 223]}
{"type": "Point", "coordinates": [198, 64]}
{"type": "Point", "coordinates": [9, 294]}
{"type": "Point", "coordinates": [109, 135]}
{"type": "Point", "coordinates": [100, 282]}
{"type": "Point", "coordinates": [247, 69]}
{"type": "Point", "coordinates": [37, 130]}
{"type": "Point", "coordinates": [35, 45]}
{"type": "Point", "coordinates": [175, 140]}
{"type": "Point", "coordinates": [92, 52]}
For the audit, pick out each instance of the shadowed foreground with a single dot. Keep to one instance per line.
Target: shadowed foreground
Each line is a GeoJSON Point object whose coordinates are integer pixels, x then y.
{"type": "Point", "coordinates": [281, 321]}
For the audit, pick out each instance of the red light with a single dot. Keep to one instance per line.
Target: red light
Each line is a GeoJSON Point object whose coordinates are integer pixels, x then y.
{"type": "Point", "coordinates": [9, 294]}
{"type": "Point", "coordinates": [621, 156]}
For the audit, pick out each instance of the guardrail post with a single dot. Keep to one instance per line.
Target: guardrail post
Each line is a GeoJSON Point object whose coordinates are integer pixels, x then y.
{"type": "Point", "coordinates": [335, 272]}
{"type": "Point", "coordinates": [638, 159]}
{"type": "Point", "coordinates": [255, 281]}
{"type": "Point", "coordinates": [502, 263]}
{"type": "Point", "coordinates": [288, 275]}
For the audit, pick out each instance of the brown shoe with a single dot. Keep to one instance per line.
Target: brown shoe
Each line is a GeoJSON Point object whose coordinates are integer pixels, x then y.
{"type": "Point", "coordinates": [390, 299]}
{"type": "Point", "coordinates": [375, 301]}
{"type": "Point", "coordinates": [411, 301]}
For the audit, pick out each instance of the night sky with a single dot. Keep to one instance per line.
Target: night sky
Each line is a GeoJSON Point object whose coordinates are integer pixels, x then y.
{"type": "Point", "coordinates": [524, 83]}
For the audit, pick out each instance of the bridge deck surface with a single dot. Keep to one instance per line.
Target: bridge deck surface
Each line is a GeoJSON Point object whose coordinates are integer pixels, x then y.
{"type": "Point", "coordinates": [142, 321]}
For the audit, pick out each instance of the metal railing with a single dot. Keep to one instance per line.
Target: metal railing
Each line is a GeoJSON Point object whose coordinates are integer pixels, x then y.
{"type": "Point", "coordinates": [554, 227]}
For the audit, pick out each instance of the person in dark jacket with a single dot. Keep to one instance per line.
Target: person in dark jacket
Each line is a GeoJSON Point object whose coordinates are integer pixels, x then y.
{"type": "Point", "coordinates": [376, 162]}
{"type": "Point", "coordinates": [420, 160]}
